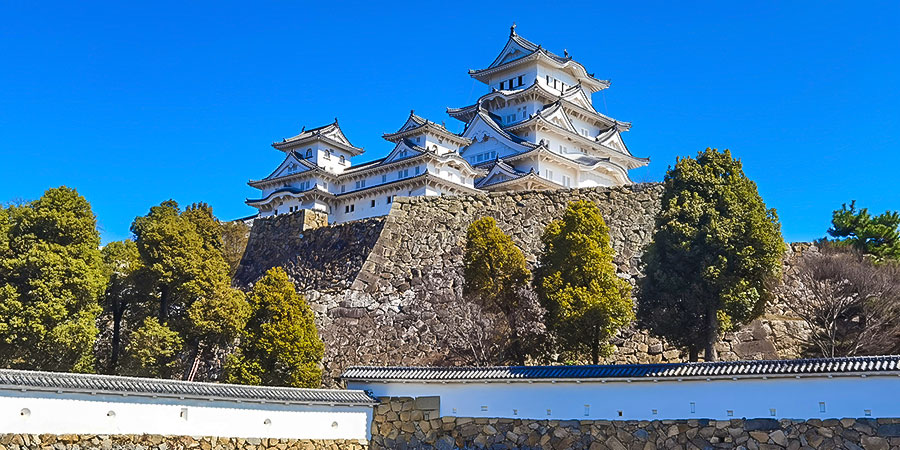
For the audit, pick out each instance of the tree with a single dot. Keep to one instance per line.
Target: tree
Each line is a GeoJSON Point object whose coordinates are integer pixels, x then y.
{"type": "Point", "coordinates": [124, 290]}
{"type": "Point", "coordinates": [280, 346]}
{"type": "Point", "coordinates": [587, 302]}
{"type": "Point", "coordinates": [153, 351]}
{"type": "Point", "coordinates": [496, 272]}
{"type": "Point", "coordinates": [51, 275]}
{"type": "Point", "coordinates": [851, 305]}
{"type": "Point", "coordinates": [715, 252]}
{"type": "Point", "coordinates": [186, 272]}
{"type": "Point", "coordinates": [878, 236]}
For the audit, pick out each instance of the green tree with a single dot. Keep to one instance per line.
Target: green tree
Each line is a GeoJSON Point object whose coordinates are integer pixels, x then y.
{"type": "Point", "coordinates": [51, 275]}
{"type": "Point", "coordinates": [495, 271]}
{"type": "Point", "coordinates": [878, 236]}
{"type": "Point", "coordinates": [153, 351]}
{"type": "Point", "coordinates": [281, 346]}
{"type": "Point", "coordinates": [587, 302]}
{"type": "Point", "coordinates": [124, 291]}
{"type": "Point", "coordinates": [715, 252]}
{"type": "Point", "coordinates": [186, 272]}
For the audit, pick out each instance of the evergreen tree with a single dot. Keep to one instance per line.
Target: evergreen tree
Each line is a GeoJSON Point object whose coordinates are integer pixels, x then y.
{"type": "Point", "coordinates": [51, 275]}
{"type": "Point", "coordinates": [878, 236]}
{"type": "Point", "coordinates": [587, 303]}
{"type": "Point", "coordinates": [714, 252]}
{"type": "Point", "coordinates": [153, 351]}
{"type": "Point", "coordinates": [496, 272]}
{"type": "Point", "coordinates": [124, 292]}
{"type": "Point", "coordinates": [280, 346]}
{"type": "Point", "coordinates": [186, 272]}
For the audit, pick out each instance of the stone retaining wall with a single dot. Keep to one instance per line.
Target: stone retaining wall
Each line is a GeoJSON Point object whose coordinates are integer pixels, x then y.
{"type": "Point", "coordinates": [399, 424]}
{"type": "Point", "coordinates": [157, 442]}
{"type": "Point", "coordinates": [388, 290]}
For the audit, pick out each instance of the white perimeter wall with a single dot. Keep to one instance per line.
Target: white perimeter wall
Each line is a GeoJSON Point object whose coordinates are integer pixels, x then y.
{"type": "Point", "coordinates": [70, 413]}
{"type": "Point", "coordinates": [751, 398]}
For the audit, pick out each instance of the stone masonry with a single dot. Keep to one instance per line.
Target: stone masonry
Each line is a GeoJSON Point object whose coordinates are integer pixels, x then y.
{"type": "Point", "coordinates": [385, 289]}
{"type": "Point", "coordinates": [399, 423]}
{"type": "Point", "coordinates": [157, 442]}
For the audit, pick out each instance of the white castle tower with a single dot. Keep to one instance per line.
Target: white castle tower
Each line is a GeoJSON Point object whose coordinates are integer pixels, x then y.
{"type": "Point", "coordinates": [536, 129]}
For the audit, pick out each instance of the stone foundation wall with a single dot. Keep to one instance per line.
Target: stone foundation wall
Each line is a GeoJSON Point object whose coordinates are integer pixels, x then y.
{"type": "Point", "coordinates": [399, 424]}
{"type": "Point", "coordinates": [318, 258]}
{"type": "Point", "coordinates": [389, 290]}
{"type": "Point", "coordinates": [157, 442]}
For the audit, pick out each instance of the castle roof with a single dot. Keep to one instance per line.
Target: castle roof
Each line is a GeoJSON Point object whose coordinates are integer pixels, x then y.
{"type": "Point", "coordinates": [519, 50]}
{"type": "Point", "coordinates": [330, 134]}
{"type": "Point", "coordinates": [574, 99]}
{"type": "Point", "coordinates": [416, 125]}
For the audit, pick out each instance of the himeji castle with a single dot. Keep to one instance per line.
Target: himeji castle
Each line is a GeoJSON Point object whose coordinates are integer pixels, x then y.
{"type": "Point", "coordinates": [536, 129]}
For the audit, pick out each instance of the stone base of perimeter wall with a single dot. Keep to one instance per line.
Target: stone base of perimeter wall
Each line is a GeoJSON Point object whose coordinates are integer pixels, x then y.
{"type": "Point", "coordinates": [157, 442]}
{"type": "Point", "coordinates": [398, 424]}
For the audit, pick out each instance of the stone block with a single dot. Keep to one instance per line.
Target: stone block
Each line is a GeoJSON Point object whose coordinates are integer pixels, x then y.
{"type": "Point", "coordinates": [428, 403]}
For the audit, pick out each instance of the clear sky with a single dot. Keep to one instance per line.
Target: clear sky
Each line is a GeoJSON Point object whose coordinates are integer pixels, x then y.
{"type": "Point", "coordinates": [134, 104]}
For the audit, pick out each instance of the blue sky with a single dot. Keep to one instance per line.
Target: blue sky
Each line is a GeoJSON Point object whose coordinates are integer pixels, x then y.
{"type": "Point", "coordinates": [133, 104]}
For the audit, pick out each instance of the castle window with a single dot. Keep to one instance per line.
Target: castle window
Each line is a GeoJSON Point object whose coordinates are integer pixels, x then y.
{"type": "Point", "coordinates": [373, 203]}
{"type": "Point", "coordinates": [384, 178]}
{"type": "Point", "coordinates": [390, 199]}
{"type": "Point", "coordinates": [327, 154]}
{"type": "Point", "coordinates": [417, 170]}
{"type": "Point", "coordinates": [520, 80]}
{"type": "Point", "coordinates": [567, 182]}
{"type": "Point", "coordinates": [343, 188]}
{"type": "Point", "coordinates": [349, 209]}
{"type": "Point", "coordinates": [510, 118]}
{"type": "Point", "coordinates": [501, 85]}
{"type": "Point", "coordinates": [309, 153]}
{"type": "Point", "coordinates": [343, 160]}
{"type": "Point", "coordinates": [360, 184]}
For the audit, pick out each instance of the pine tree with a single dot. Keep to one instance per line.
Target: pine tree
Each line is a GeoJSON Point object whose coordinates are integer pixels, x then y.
{"type": "Point", "coordinates": [280, 346]}
{"type": "Point", "coordinates": [495, 271]}
{"type": "Point", "coordinates": [587, 302]}
{"type": "Point", "coordinates": [878, 236]}
{"type": "Point", "coordinates": [51, 275]}
{"type": "Point", "coordinates": [715, 251]}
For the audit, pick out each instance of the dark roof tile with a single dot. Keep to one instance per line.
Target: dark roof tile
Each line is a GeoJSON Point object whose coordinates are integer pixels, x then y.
{"type": "Point", "coordinates": [823, 366]}
{"type": "Point", "coordinates": [107, 384]}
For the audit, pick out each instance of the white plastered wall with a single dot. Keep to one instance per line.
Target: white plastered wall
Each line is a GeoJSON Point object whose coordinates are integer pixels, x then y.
{"type": "Point", "coordinates": [76, 413]}
{"type": "Point", "coordinates": [793, 398]}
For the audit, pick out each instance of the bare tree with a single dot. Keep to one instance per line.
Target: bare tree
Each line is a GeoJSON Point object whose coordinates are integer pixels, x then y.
{"type": "Point", "coordinates": [476, 337]}
{"type": "Point", "coordinates": [851, 305]}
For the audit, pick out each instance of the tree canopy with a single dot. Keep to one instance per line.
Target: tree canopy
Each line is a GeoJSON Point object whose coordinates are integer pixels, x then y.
{"type": "Point", "coordinates": [184, 272]}
{"type": "Point", "coordinates": [280, 345]}
{"type": "Point", "coordinates": [878, 236]}
{"type": "Point", "coordinates": [587, 302]}
{"type": "Point", "coordinates": [51, 275]}
{"type": "Point", "coordinates": [715, 251]}
{"type": "Point", "coordinates": [496, 273]}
